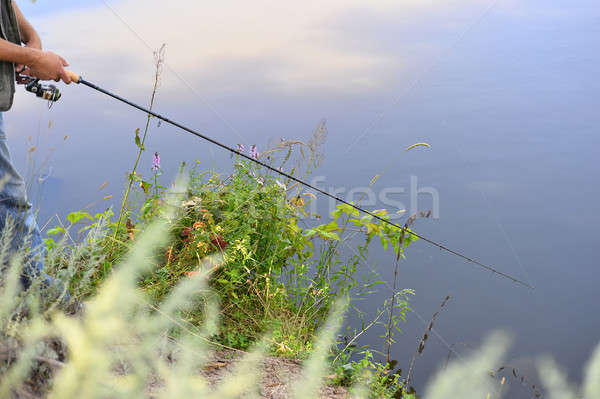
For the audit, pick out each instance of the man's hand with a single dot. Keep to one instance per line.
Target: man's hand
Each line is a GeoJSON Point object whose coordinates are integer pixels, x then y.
{"type": "Point", "coordinates": [44, 65]}
{"type": "Point", "coordinates": [48, 66]}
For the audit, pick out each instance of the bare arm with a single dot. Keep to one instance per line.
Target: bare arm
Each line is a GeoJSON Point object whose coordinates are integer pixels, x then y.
{"type": "Point", "coordinates": [28, 34]}
{"type": "Point", "coordinates": [42, 64]}
{"type": "Point", "coordinates": [17, 54]}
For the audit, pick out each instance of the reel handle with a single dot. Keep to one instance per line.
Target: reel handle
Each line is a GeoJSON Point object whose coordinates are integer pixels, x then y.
{"type": "Point", "coordinates": [75, 78]}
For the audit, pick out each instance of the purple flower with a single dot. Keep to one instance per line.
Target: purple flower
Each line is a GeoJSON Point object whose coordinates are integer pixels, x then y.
{"type": "Point", "coordinates": [241, 148]}
{"type": "Point", "coordinates": [156, 162]}
{"type": "Point", "coordinates": [253, 152]}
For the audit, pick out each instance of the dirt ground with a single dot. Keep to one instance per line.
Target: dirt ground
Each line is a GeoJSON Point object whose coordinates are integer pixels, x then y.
{"type": "Point", "coordinates": [279, 375]}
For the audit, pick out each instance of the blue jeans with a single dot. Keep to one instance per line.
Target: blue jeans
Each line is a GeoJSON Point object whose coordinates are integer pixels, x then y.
{"type": "Point", "coordinates": [18, 220]}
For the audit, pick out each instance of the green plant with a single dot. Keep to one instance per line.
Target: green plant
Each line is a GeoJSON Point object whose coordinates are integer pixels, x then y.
{"type": "Point", "coordinates": [140, 143]}
{"type": "Point", "coordinates": [275, 276]}
{"type": "Point", "coordinates": [380, 381]}
{"type": "Point", "coordinates": [376, 378]}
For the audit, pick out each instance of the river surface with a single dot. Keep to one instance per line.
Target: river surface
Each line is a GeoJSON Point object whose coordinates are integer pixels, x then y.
{"type": "Point", "coordinates": [506, 93]}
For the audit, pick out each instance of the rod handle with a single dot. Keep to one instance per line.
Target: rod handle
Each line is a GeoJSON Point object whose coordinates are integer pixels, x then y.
{"type": "Point", "coordinates": [75, 78]}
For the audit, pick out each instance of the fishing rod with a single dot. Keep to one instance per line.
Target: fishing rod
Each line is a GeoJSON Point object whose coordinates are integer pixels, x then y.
{"type": "Point", "coordinates": [79, 80]}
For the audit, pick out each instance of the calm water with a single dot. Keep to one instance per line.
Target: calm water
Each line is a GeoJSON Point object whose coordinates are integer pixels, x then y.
{"type": "Point", "coordinates": [507, 95]}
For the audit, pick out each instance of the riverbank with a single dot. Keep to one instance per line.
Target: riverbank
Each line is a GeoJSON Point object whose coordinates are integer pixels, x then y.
{"type": "Point", "coordinates": [271, 276]}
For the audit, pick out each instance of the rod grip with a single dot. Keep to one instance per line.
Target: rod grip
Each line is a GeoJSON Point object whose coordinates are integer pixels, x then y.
{"type": "Point", "coordinates": [75, 78]}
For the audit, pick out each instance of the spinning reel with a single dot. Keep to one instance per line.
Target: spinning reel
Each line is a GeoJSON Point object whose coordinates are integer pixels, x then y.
{"type": "Point", "coordinates": [46, 92]}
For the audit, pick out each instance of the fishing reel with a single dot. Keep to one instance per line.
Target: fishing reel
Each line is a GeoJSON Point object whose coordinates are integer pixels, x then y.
{"type": "Point", "coordinates": [43, 91]}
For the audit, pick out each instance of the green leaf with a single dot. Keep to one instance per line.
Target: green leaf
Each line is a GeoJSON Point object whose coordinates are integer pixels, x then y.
{"type": "Point", "coordinates": [310, 233]}
{"type": "Point", "coordinates": [347, 209]}
{"type": "Point", "coordinates": [329, 235]}
{"type": "Point", "coordinates": [350, 210]}
{"type": "Point", "coordinates": [49, 243]}
{"type": "Point", "coordinates": [372, 228]}
{"type": "Point", "coordinates": [367, 218]}
{"type": "Point", "coordinates": [145, 186]}
{"type": "Point", "coordinates": [384, 243]}
{"type": "Point", "coordinates": [294, 227]}
{"type": "Point", "coordinates": [333, 226]}
{"type": "Point", "coordinates": [138, 141]}
{"type": "Point", "coordinates": [146, 206]}
{"type": "Point", "coordinates": [56, 230]}
{"type": "Point", "coordinates": [75, 217]}
{"type": "Point", "coordinates": [337, 213]}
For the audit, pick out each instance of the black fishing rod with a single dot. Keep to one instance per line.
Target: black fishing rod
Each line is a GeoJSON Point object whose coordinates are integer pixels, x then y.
{"type": "Point", "coordinates": [77, 79]}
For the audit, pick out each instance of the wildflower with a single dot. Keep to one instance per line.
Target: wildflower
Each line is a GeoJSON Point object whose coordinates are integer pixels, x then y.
{"type": "Point", "coordinates": [253, 152]}
{"type": "Point", "coordinates": [199, 225]}
{"type": "Point", "coordinates": [156, 162]}
{"type": "Point", "coordinates": [219, 242]}
{"type": "Point", "coordinates": [206, 215]}
{"type": "Point", "coordinates": [186, 234]}
{"type": "Point", "coordinates": [280, 184]}
{"type": "Point", "coordinates": [202, 246]}
{"type": "Point", "coordinates": [241, 149]}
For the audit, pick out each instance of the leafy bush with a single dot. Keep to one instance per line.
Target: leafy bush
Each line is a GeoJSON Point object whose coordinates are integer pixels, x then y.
{"type": "Point", "coordinates": [276, 276]}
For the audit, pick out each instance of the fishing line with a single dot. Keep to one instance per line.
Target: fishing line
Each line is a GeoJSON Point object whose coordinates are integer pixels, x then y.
{"type": "Point", "coordinates": [77, 79]}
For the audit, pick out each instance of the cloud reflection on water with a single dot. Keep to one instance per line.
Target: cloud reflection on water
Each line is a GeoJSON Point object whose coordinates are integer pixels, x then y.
{"type": "Point", "coordinates": [282, 46]}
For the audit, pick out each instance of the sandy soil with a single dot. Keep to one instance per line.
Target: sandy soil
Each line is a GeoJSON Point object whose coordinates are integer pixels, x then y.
{"type": "Point", "coordinates": [279, 375]}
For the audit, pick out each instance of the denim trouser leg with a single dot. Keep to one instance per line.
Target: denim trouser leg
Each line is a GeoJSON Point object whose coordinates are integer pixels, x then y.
{"type": "Point", "coordinates": [17, 218]}
{"type": "Point", "coordinates": [24, 235]}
